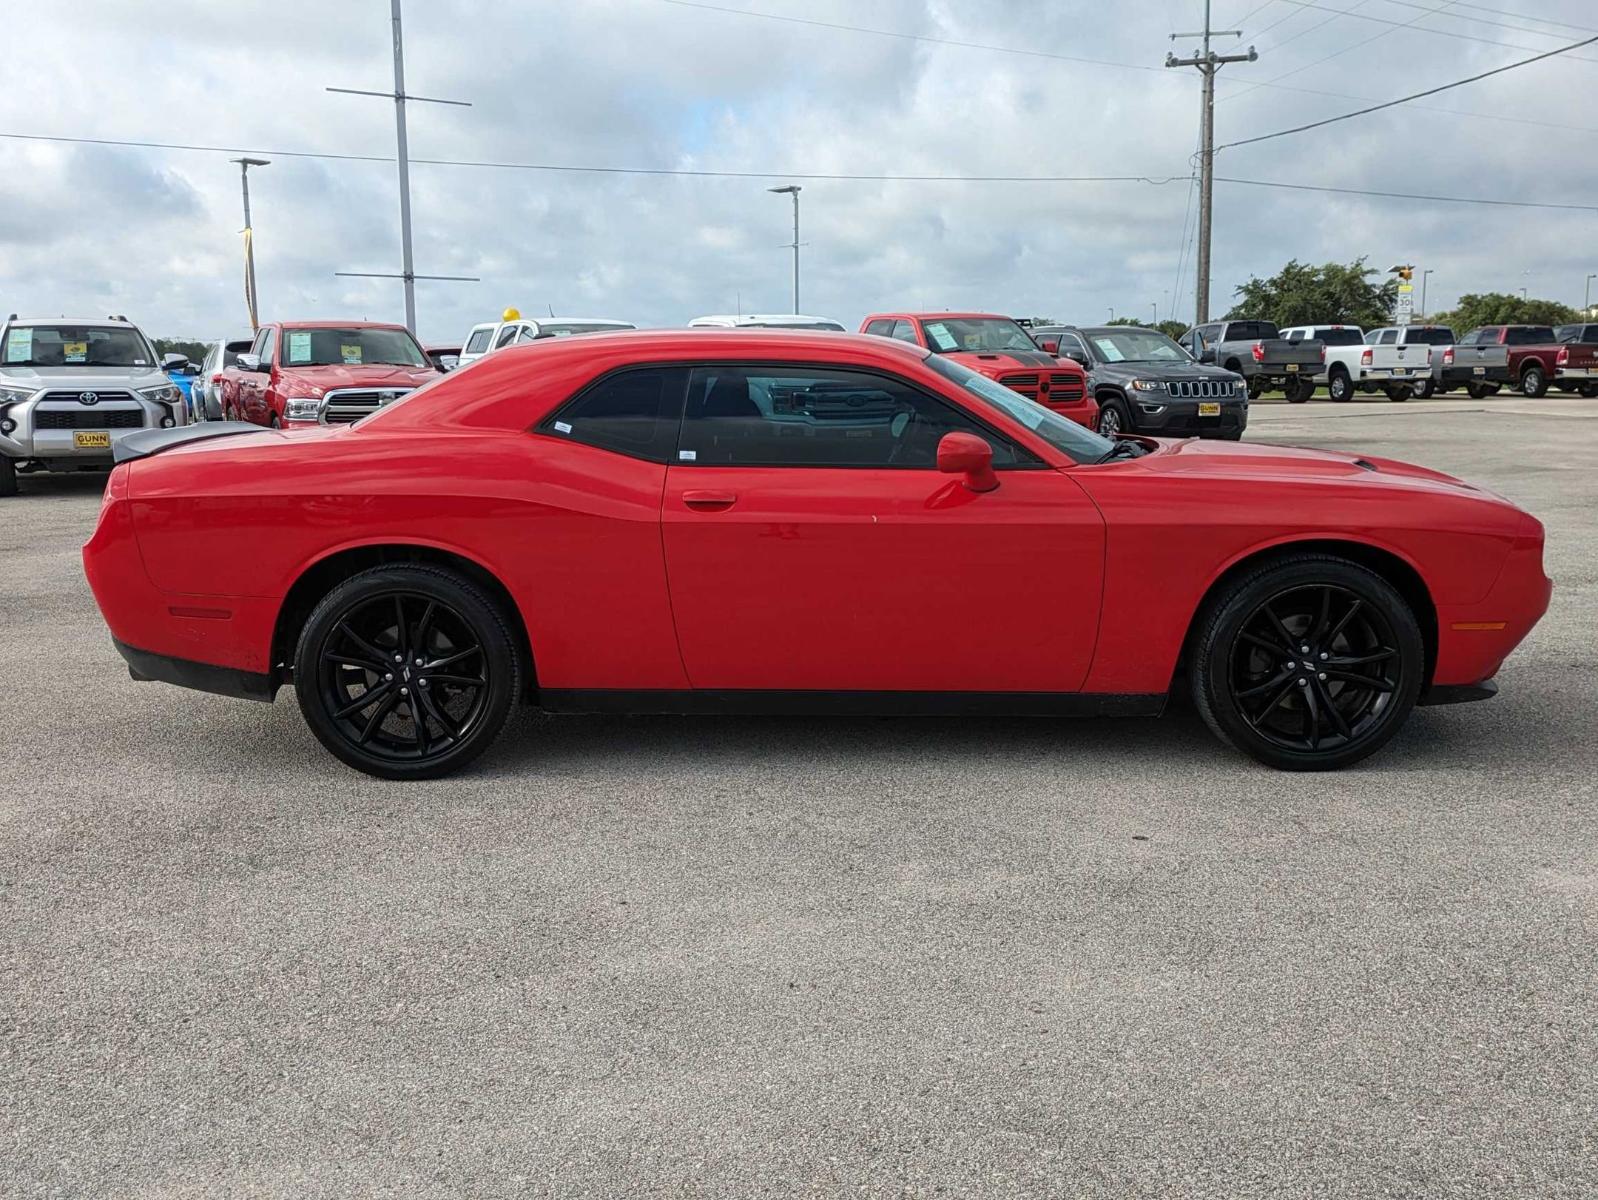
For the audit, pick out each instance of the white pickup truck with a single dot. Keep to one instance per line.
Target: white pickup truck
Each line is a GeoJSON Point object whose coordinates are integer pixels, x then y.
{"type": "Point", "coordinates": [512, 329]}
{"type": "Point", "coordinates": [1436, 338]}
{"type": "Point", "coordinates": [1353, 363]}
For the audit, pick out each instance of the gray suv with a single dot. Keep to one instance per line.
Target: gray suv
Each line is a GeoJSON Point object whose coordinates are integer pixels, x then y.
{"type": "Point", "coordinates": [71, 389]}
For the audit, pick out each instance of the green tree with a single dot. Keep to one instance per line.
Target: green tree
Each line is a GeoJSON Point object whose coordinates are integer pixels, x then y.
{"type": "Point", "coordinates": [1501, 308]}
{"type": "Point", "coordinates": [195, 352]}
{"type": "Point", "coordinates": [1331, 294]}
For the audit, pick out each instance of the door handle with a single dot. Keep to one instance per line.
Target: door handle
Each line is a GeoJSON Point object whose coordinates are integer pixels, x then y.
{"type": "Point", "coordinates": [710, 501]}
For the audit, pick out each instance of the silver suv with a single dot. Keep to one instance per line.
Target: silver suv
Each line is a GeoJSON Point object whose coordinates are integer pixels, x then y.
{"type": "Point", "coordinates": [70, 389]}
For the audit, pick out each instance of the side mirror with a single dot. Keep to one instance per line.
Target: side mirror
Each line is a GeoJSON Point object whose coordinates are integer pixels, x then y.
{"type": "Point", "coordinates": [1079, 358]}
{"type": "Point", "coordinates": [249, 362]}
{"type": "Point", "coordinates": [191, 368]}
{"type": "Point", "coordinates": [1206, 356]}
{"type": "Point", "coordinates": [967, 454]}
{"type": "Point", "coordinates": [174, 362]}
{"type": "Point", "coordinates": [1049, 345]}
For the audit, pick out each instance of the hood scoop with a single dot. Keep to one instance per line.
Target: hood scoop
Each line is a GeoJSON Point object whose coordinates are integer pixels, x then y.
{"type": "Point", "coordinates": [1364, 464]}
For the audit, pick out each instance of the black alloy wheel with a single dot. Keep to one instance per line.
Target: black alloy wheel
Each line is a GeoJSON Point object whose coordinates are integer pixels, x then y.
{"type": "Point", "coordinates": [1309, 664]}
{"type": "Point", "coordinates": [406, 672]}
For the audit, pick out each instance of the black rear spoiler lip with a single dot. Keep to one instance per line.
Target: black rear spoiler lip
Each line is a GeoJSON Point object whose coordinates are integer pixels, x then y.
{"type": "Point", "coordinates": [153, 441]}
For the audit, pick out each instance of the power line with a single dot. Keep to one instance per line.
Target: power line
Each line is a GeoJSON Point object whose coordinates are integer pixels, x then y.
{"type": "Point", "coordinates": [1505, 12]}
{"type": "Point", "coordinates": [1265, 137]}
{"type": "Point", "coordinates": [1375, 37]}
{"type": "Point", "coordinates": [1425, 11]}
{"type": "Point", "coordinates": [1464, 37]}
{"type": "Point", "coordinates": [1149, 180]}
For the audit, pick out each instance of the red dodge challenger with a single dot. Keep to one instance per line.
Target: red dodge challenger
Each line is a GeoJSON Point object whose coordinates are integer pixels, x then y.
{"type": "Point", "coordinates": [700, 520]}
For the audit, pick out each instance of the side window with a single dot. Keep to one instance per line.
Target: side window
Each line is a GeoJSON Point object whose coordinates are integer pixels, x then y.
{"type": "Point", "coordinates": [1389, 337]}
{"type": "Point", "coordinates": [634, 412]}
{"type": "Point", "coordinates": [526, 335]}
{"type": "Point", "coordinates": [1071, 344]}
{"type": "Point", "coordinates": [268, 345]}
{"type": "Point", "coordinates": [905, 332]}
{"type": "Point", "coordinates": [881, 327]}
{"type": "Point", "coordinates": [506, 336]}
{"type": "Point", "coordinates": [478, 342]}
{"type": "Point", "coordinates": [818, 417]}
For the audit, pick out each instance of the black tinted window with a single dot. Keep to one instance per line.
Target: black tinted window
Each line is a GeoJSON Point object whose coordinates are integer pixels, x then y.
{"type": "Point", "coordinates": [1530, 335]}
{"type": "Point", "coordinates": [1346, 337]}
{"type": "Point", "coordinates": [634, 413]}
{"type": "Point", "coordinates": [1429, 335]}
{"type": "Point", "coordinates": [812, 417]}
{"type": "Point", "coordinates": [881, 327]}
{"type": "Point", "coordinates": [1243, 330]}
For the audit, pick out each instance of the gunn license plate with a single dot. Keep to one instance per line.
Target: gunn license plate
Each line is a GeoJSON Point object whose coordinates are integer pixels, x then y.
{"type": "Point", "coordinates": [1292, 367]}
{"type": "Point", "coordinates": [91, 441]}
{"type": "Point", "coordinates": [1209, 410]}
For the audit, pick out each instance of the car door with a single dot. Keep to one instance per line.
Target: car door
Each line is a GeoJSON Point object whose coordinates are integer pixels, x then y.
{"type": "Point", "coordinates": [262, 398]}
{"type": "Point", "coordinates": [811, 543]}
{"type": "Point", "coordinates": [251, 385]}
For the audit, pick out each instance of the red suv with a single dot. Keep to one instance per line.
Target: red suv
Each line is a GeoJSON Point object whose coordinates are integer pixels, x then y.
{"type": "Point", "coordinates": [997, 347]}
{"type": "Point", "coordinates": [299, 373]}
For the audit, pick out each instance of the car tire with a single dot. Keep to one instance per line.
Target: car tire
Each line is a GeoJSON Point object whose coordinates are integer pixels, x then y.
{"type": "Point", "coordinates": [1259, 691]}
{"type": "Point", "coordinates": [1114, 418]}
{"type": "Point", "coordinates": [1424, 389]}
{"type": "Point", "coordinates": [1339, 387]}
{"type": "Point", "coordinates": [1299, 391]}
{"type": "Point", "coordinates": [1590, 390]}
{"type": "Point", "coordinates": [424, 718]}
{"type": "Point", "coordinates": [1477, 391]}
{"type": "Point", "coordinates": [8, 476]}
{"type": "Point", "coordinates": [1398, 394]}
{"type": "Point", "coordinates": [1534, 382]}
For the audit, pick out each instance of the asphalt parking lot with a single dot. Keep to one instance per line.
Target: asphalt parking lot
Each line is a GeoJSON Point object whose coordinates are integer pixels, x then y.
{"type": "Point", "coordinates": [782, 956]}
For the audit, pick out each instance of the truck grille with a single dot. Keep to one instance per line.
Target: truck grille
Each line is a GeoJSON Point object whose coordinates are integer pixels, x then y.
{"type": "Point", "coordinates": [1053, 387]}
{"type": "Point", "coordinates": [1200, 389]}
{"type": "Point", "coordinates": [66, 397]}
{"type": "Point", "coordinates": [88, 418]}
{"type": "Point", "coordinates": [351, 404]}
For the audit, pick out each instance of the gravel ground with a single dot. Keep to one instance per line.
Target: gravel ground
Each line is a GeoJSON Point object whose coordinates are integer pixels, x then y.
{"type": "Point", "coordinates": [813, 957]}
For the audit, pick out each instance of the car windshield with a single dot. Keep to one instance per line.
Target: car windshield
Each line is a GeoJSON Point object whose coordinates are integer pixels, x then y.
{"type": "Point", "coordinates": [976, 335]}
{"type": "Point", "coordinates": [1066, 436]}
{"type": "Point", "coordinates": [75, 346]}
{"type": "Point", "coordinates": [351, 347]}
{"type": "Point", "coordinates": [1135, 345]}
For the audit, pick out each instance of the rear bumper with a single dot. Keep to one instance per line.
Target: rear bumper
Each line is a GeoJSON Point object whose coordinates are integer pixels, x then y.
{"type": "Point", "coordinates": [146, 666]}
{"type": "Point", "coordinates": [1588, 373]}
{"type": "Point", "coordinates": [1460, 376]}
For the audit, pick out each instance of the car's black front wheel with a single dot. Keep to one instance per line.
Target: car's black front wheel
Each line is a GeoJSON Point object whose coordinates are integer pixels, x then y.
{"type": "Point", "coordinates": [407, 671]}
{"type": "Point", "coordinates": [1114, 419]}
{"type": "Point", "coordinates": [1307, 664]}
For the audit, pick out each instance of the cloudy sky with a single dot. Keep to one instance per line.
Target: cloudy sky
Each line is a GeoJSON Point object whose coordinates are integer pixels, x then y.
{"type": "Point", "coordinates": [672, 86]}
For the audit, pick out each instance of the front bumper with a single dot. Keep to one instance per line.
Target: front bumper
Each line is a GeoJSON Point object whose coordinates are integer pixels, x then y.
{"type": "Point", "coordinates": [61, 434]}
{"type": "Point", "coordinates": [1180, 418]}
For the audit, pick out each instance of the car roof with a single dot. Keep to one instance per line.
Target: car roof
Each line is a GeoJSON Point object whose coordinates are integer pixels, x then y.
{"type": "Point", "coordinates": [939, 316]}
{"type": "Point", "coordinates": [108, 322]}
{"type": "Point", "coordinates": [336, 324]}
{"type": "Point", "coordinates": [759, 318]}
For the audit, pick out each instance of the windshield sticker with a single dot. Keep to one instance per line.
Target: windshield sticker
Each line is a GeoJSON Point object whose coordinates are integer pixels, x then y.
{"type": "Point", "coordinates": [941, 337]}
{"type": "Point", "coordinates": [1109, 349]}
{"type": "Point", "coordinates": [299, 346]}
{"type": "Point", "coordinates": [74, 352]}
{"type": "Point", "coordinates": [352, 354]}
{"type": "Point", "coordinates": [19, 345]}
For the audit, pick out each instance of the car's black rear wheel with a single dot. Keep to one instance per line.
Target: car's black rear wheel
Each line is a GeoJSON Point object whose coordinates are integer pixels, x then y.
{"type": "Point", "coordinates": [407, 672]}
{"type": "Point", "coordinates": [1307, 664]}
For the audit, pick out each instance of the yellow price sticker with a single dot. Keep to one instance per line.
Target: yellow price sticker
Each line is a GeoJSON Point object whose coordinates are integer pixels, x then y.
{"type": "Point", "coordinates": [74, 351]}
{"type": "Point", "coordinates": [352, 354]}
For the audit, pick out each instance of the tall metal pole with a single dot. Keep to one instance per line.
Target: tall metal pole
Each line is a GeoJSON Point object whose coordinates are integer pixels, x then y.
{"type": "Point", "coordinates": [407, 266]}
{"type": "Point", "coordinates": [792, 189]}
{"type": "Point", "coordinates": [252, 297]}
{"type": "Point", "coordinates": [1208, 63]}
{"type": "Point", "coordinates": [407, 263]}
{"type": "Point", "coordinates": [1586, 303]}
{"type": "Point", "coordinates": [1423, 276]}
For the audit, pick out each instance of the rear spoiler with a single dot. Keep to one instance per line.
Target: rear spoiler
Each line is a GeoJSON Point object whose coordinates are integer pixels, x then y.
{"type": "Point", "coordinates": [152, 441]}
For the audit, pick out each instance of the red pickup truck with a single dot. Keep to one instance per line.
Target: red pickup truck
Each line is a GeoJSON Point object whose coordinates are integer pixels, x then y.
{"type": "Point", "coordinates": [299, 373]}
{"type": "Point", "coordinates": [997, 347]}
{"type": "Point", "coordinates": [1524, 357]}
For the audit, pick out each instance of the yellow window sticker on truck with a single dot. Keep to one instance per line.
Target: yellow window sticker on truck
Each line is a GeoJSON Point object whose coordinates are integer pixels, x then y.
{"type": "Point", "coordinates": [74, 352]}
{"type": "Point", "coordinates": [352, 354]}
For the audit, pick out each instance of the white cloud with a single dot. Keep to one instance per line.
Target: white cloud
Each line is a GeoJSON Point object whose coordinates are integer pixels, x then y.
{"type": "Point", "coordinates": [154, 233]}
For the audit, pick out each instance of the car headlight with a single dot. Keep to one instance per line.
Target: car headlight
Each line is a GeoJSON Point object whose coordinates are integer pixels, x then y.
{"type": "Point", "coordinates": [1148, 385]}
{"type": "Point", "coordinates": [12, 395]}
{"type": "Point", "coordinates": [166, 393]}
{"type": "Point", "coordinates": [302, 408]}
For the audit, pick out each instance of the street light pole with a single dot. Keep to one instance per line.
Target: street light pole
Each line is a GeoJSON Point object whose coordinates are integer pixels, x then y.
{"type": "Point", "coordinates": [793, 189]}
{"type": "Point", "coordinates": [1155, 309]}
{"type": "Point", "coordinates": [1423, 275]}
{"type": "Point", "coordinates": [249, 239]}
{"type": "Point", "coordinates": [1208, 64]}
{"type": "Point", "coordinates": [1586, 303]}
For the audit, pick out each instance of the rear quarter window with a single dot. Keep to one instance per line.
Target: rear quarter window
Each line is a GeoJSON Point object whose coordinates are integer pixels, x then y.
{"type": "Point", "coordinates": [635, 412]}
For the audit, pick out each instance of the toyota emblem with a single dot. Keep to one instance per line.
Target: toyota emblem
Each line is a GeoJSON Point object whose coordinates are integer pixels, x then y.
{"type": "Point", "coordinates": [88, 397]}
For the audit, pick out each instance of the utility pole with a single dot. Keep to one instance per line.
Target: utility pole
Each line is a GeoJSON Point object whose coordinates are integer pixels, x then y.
{"type": "Point", "coordinates": [250, 300]}
{"type": "Point", "coordinates": [793, 189]}
{"type": "Point", "coordinates": [399, 96]}
{"type": "Point", "coordinates": [1586, 304]}
{"type": "Point", "coordinates": [1208, 63]}
{"type": "Point", "coordinates": [1423, 276]}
